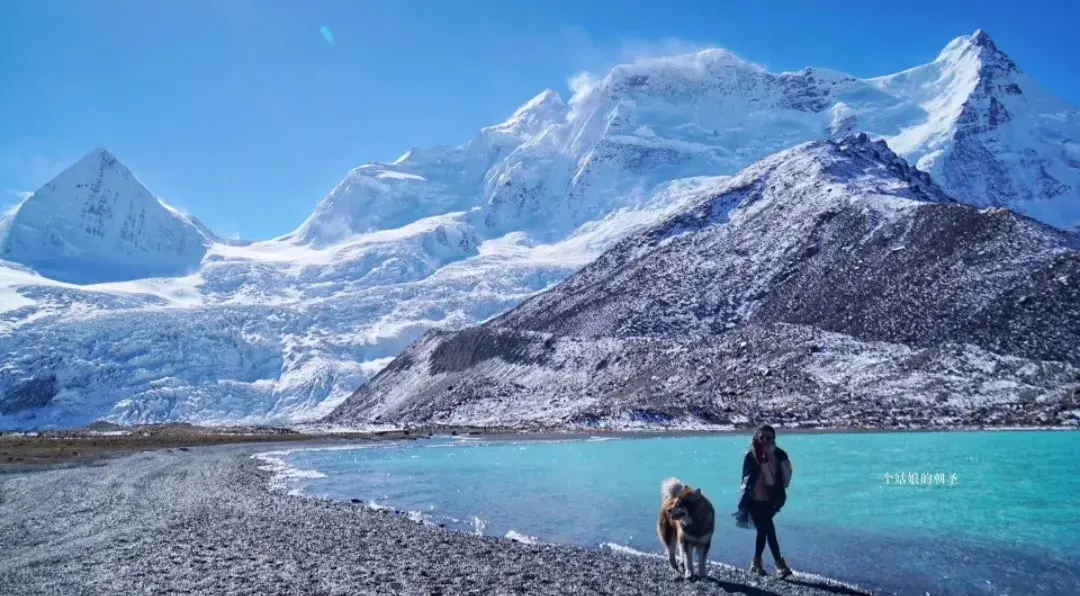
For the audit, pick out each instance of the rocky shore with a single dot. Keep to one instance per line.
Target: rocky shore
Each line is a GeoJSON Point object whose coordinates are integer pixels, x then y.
{"type": "Point", "coordinates": [204, 521]}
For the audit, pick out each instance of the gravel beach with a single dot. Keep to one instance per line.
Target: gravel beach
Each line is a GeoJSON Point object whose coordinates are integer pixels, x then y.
{"type": "Point", "coordinates": [204, 521]}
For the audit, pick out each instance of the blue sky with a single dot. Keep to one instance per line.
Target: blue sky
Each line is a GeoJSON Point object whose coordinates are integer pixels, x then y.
{"type": "Point", "coordinates": [242, 113]}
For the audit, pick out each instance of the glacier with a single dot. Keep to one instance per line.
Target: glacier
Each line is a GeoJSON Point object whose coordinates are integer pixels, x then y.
{"type": "Point", "coordinates": [138, 313]}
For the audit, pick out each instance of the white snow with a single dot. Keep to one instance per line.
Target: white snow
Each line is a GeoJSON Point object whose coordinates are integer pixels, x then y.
{"type": "Point", "coordinates": [94, 222]}
{"type": "Point", "coordinates": [193, 327]}
{"type": "Point", "coordinates": [398, 176]}
{"type": "Point", "coordinates": [10, 299]}
{"type": "Point", "coordinates": [281, 472]}
{"type": "Point", "coordinates": [522, 538]}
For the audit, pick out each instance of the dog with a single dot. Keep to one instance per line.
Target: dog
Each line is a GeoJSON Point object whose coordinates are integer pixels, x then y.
{"type": "Point", "coordinates": [685, 526]}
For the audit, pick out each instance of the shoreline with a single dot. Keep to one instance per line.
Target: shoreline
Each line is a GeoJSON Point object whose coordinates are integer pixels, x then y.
{"type": "Point", "coordinates": [37, 450]}
{"type": "Point", "coordinates": [662, 433]}
{"type": "Point", "coordinates": [20, 452]}
{"type": "Point", "coordinates": [135, 524]}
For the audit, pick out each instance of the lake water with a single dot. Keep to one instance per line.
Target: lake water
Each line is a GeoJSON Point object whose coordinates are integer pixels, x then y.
{"type": "Point", "coordinates": [988, 513]}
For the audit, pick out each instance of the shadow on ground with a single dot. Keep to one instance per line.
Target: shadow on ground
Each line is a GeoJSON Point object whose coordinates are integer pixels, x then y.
{"type": "Point", "coordinates": [734, 588]}
{"type": "Point", "coordinates": [825, 587]}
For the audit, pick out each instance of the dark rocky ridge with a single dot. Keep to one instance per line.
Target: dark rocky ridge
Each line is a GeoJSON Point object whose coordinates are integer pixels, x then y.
{"type": "Point", "coordinates": [787, 374]}
{"type": "Point", "coordinates": [831, 284]}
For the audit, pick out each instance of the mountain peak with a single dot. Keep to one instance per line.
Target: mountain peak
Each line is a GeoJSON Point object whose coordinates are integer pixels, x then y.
{"type": "Point", "coordinates": [94, 222]}
{"type": "Point", "coordinates": [850, 161]}
{"type": "Point", "coordinates": [96, 159]}
{"type": "Point", "coordinates": [534, 115]}
{"type": "Point", "coordinates": [544, 99]}
{"type": "Point", "coordinates": [989, 52]}
{"type": "Point", "coordinates": [101, 152]}
{"type": "Point", "coordinates": [982, 38]}
{"type": "Point", "coordinates": [703, 64]}
{"type": "Point", "coordinates": [978, 45]}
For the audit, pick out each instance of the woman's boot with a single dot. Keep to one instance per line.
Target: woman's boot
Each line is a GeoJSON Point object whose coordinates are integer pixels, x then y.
{"type": "Point", "coordinates": [782, 570]}
{"type": "Point", "coordinates": [756, 567]}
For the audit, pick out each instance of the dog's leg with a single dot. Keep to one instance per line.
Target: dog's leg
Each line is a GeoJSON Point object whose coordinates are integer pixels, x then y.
{"type": "Point", "coordinates": [667, 538]}
{"type": "Point", "coordinates": [670, 548]}
{"type": "Point", "coordinates": [684, 554]}
{"type": "Point", "coordinates": [703, 551]}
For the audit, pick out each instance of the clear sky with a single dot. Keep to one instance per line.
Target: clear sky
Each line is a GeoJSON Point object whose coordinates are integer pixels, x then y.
{"type": "Point", "coordinates": [243, 113]}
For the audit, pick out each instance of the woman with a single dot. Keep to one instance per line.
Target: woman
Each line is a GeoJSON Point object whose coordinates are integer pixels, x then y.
{"type": "Point", "coordinates": [765, 478]}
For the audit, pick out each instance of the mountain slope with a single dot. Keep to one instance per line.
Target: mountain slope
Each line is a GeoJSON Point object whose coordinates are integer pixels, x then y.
{"type": "Point", "coordinates": [95, 222]}
{"type": "Point", "coordinates": [442, 238]}
{"type": "Point", "coordinates": [831, 283]}
{"type": "Point", "coordinates": [843, 236]}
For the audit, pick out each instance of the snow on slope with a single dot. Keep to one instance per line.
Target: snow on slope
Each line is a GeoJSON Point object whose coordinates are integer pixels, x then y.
{"type": "Point", "coordinates": [94, 222]}
{"type": "Point", "coordinates": [828, 284]}
{"type": "Point", "coordinates": [443, 237]}
{"type": "Point", "coordinates": [424, 182]}
{"type": "Point", "coordinates": [274, 331]}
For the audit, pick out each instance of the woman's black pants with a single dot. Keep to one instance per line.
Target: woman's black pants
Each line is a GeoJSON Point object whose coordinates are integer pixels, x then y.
{"type": "Point", "coordinates": [762, 513]}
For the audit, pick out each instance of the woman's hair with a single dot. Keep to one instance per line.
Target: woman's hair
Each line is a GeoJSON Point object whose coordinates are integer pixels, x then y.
{"type": "Point", "coordinates": [757, 433]}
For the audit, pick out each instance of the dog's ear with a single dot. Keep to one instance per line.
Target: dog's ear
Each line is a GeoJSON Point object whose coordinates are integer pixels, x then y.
{"type": "Point", "coordinates": [697, 492]}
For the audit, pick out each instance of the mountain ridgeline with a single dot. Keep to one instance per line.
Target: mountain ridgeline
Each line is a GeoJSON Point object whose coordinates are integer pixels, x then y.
{"type": "Point", "coordinates": [830, 284]}
{"type": "Point", "coordinates": [115, 306]}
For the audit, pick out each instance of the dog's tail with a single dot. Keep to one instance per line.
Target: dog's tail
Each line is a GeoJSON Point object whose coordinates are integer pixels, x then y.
{"type": "Point", "coordinates": [671, 488]}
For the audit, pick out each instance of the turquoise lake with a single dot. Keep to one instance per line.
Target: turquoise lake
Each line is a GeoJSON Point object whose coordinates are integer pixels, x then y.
{"type": "Point", "coordinates": [988, 513]}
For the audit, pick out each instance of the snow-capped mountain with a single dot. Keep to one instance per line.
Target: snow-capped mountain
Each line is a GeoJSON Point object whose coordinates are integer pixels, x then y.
{"type": "Point", "coordinates": [445, 237]}
{"type": "Point", "coordinates": [830, 283]}
{"type": "Point", "coordinates": [987, 132]}
{"type": "Point", "coordinates": [95, 222]}
{"type": "Point", "coordinates": [992, 135]}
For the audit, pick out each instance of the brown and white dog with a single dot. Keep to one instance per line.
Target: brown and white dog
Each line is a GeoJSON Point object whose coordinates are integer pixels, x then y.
{"type": "Point", "coordinates": [685, 526]}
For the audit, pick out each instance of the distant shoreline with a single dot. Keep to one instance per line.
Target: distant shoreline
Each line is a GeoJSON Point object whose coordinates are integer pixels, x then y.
{"type": "Point", "coordinates": [27, 451]}
{"type": "Point", "coordinates": [658, 433]}
{"type": "Point", "coordinates": [49, 449]}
